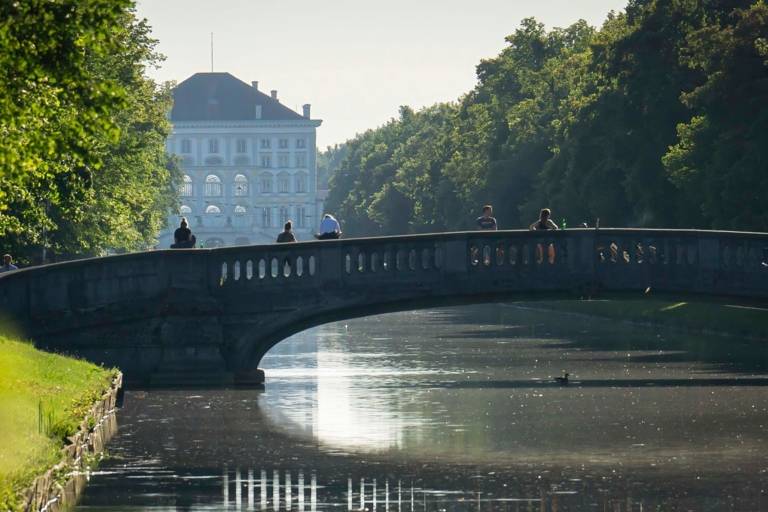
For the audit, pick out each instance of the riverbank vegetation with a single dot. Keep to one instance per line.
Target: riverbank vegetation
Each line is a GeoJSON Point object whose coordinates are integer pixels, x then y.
{"type": "Point", "coordinates": [657, 119]}
{"type": "Point", "coordinates": [82, 152]}
{"type": "Point", "coordinates": [43, 398]}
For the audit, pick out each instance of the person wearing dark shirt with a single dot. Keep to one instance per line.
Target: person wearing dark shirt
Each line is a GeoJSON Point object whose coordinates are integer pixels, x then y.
{"type": "Point", "coordinates": [287, 235]}
{"type": "Point", "coordinates": [487, 221]}
{"type": "Point", "coordinates": [183, 237]}
{"type": "Point", "coordinates": [544, 222]}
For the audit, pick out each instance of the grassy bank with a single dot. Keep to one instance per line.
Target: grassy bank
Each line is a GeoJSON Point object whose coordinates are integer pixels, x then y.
{"type": "Point", "coordinates": [719, 317]}
{"type": "Point", "coordinates": [43, 398]}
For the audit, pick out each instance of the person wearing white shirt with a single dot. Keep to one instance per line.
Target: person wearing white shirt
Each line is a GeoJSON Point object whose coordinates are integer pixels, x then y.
{"type": "Point", "coordinates": [329, 228]}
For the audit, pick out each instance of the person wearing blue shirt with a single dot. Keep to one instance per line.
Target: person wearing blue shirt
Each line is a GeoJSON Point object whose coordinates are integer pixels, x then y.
{"type": "Point", "coordinates": [329, 228]}
{"type": "Point", "coordinates": [8, 264]}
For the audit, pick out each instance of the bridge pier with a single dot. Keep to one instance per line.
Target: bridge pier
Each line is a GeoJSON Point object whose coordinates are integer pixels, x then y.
{"type": "Point", "coordinates": [249, 378]}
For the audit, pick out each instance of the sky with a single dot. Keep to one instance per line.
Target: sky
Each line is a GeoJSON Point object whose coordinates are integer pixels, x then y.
{"type": "Point", "coordinates": [354, 61]}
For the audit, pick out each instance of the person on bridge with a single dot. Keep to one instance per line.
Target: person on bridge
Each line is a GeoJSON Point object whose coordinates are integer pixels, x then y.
{"type": "Point", "coordinates": [544, 222]}
{"type": "Point", "coordinates": [7, 264]}
{"type": "Point", "coordinates": [487, 220]}
{"type": "Point", "coordinates": [183, 237]}
{"type": "Point", "coordinates": [329, 228]}
{"type": "Point", "coordinates": [287, 235]}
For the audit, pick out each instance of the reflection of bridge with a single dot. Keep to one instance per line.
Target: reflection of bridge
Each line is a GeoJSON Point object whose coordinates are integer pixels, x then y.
{"type": "Point", "coordinates": [188, 312]}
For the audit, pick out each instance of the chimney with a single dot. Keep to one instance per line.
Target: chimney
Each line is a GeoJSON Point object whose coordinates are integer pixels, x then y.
{"type": "Point", "coordinates": [257, 113]}
{"type": "Point", "coordinates": [255, 84]}
{"type": "Point", "coordinates": [273, 92]}
{"type": "Point", "coordinates": [306, 107]}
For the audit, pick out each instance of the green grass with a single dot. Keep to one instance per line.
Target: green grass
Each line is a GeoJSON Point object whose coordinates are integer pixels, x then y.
{"type": "Point", "coordinates": [43, 398]}
{"type": "Point", "coordinates": [722, 317]}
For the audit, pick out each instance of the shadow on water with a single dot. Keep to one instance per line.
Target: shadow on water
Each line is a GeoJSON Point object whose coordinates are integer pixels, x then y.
{"type": "Point", "coordinates": [584, 333]}
{"type": "Point", "coordinates": [601, 383]}
{"type": "Point", "coordinates": [630, 432]}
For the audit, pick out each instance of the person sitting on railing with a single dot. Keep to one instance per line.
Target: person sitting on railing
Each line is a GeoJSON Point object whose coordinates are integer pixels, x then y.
{"type": "Point", "coordinates": [544, 222]}
{"type": "Point", "coordinates": [487, 221]}
{"type": "Point", "coordinates": [287, 235]}
{"type": "Point", "coordinates": [329, 228]}
{"type": "Point", "coordinates": [183, 237]}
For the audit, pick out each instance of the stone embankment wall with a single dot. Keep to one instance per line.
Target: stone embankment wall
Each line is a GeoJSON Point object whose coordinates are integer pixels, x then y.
{"type": "Point", "coordinates": [59, 488]}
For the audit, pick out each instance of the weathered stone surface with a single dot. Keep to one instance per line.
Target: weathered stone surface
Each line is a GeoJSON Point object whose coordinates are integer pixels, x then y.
{"type": "Point", "coordinates": [47, 493]}
{"type": "Point", "coordinates": [209, 316]}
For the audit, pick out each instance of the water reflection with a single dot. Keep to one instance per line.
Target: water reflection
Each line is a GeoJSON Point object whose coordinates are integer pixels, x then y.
{"type": "Point", "coordinates": [456, 409]}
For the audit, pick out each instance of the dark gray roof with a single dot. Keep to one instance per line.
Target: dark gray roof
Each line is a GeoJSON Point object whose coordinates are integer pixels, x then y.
{"type": "Point", "coordinates": [222, 97]}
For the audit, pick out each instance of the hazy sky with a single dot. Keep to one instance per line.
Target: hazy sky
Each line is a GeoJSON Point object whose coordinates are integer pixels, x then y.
{"type": "Point", "coordinates": [355, 61]}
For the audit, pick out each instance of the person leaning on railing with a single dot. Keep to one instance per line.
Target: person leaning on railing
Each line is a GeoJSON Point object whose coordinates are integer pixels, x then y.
{"type": "Point", "coordinates": [7, 264]}
{"type": "Point", "coordinates": [287, 235]}
{"type": "Point", "coordinates": [545, 224]}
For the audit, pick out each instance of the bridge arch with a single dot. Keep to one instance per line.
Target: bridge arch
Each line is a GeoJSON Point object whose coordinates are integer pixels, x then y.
{"type": "Point", "coordinates": [223, 309]}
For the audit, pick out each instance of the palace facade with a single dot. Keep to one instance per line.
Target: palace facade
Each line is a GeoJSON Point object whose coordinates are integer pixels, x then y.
{"type": "Point", "coordinates": [249, 163]}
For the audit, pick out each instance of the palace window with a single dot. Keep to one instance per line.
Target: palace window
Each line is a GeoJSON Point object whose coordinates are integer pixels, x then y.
{"type": "Point", "coordinates": [241, 146]}
{"type": "Point", "coordinates": [186, 187]}
{"type": "Point", "coordinates": [185, 210]}
{"type": "Point", "coordinates": [282, 160]}
{"type": "Point", "coordinates": [186, 146]}
{"type": "Point", "coordinates": [240, 186]}
{"type": "Point", "coordinates": [213, 145]}
{"type": "Point", "coordinates": [301, 143]}
{"type": "Point", "coordinates": [283, 143]}
{"type": "Point", "coordinates": [266, 183]}
{"type": "Point", "coordinates": [266, 217]}
{"type": "Point", "coordinates": [266, 161]}
{"type": "Point", "coordinates": [240, 210]}
{"type": "Point", "coordinates": [301, 217]}
{"type": "Point", "coordinates": [301, 160]}
{"type": "Point", "coordinates": [212, 209]}
{"type": "Point", "coordinates": [284, 214]}
{"type": "Point", "coordinates": [266, 144]}
{"type": "Point", "coordinates": [212, 186]}
{"type": "Point", "coordinates": [212, 243]}
{"type": "Point", "coordinates": [283, 183]}
{"type": "Point", "coordinates": [301, 182]}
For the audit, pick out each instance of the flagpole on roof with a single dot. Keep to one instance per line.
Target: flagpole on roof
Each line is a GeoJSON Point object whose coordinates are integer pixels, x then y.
{"type": "Point", "coordinates": [211, 52]}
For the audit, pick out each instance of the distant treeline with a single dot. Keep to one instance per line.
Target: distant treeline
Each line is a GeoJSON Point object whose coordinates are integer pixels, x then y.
{"type": "Point", "coordinates": [658, 119]}
{"type": "Point", "coordinates": [83, 167]}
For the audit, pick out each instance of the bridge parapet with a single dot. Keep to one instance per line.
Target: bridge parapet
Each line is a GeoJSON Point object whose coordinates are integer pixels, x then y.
{"type": "Point", "coordinates": [223, 309]}
{"type": "Point", "coordinates": [707, 262]}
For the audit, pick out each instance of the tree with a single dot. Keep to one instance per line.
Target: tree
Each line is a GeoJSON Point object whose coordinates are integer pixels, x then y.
{"type": "Point", "coordinates": [82, 155]}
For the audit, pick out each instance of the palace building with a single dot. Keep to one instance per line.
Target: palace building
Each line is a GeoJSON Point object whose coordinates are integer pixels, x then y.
{"type": "Point", "coordinates": [248, 163]}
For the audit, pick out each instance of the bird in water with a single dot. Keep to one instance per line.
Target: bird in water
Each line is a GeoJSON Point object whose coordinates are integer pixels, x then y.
{"type": "Point", "coordinates": [563, 381]}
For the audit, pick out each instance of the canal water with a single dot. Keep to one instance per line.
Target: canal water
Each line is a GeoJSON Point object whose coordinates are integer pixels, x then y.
{"type": "Point", "coordinates": [457, 409]}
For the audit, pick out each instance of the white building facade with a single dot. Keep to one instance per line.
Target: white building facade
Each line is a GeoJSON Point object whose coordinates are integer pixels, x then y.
{"type": "Point", "coordinates": [249, 163]}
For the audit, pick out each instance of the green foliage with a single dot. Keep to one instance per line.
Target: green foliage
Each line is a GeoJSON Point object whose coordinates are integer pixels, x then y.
{"type": "Point", "coordinates": [82, 155]}
{"type": "Point", "coordinates": [43, 399]}
{"type": "Point", "coordinates": [657, 119]}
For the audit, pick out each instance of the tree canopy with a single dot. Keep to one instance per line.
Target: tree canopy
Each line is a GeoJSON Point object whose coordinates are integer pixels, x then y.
{"type": "Point", "coordinates": [82, 130]}
{"type": "Point", "coordinates": [657, 119]}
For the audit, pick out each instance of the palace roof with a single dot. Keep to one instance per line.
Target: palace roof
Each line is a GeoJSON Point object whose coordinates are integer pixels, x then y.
{"type": "Point", "coordinates": [222, 97]}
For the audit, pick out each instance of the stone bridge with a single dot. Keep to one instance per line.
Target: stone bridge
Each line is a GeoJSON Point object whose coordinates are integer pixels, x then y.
{"type": "Point", "coordinates": [173, 315]}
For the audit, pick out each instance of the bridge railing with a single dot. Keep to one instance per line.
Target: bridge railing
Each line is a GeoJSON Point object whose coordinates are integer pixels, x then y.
{"type": "Point", "coordinates": [708, 262]}
{"type": "Point", "coordinates": [714, 262]}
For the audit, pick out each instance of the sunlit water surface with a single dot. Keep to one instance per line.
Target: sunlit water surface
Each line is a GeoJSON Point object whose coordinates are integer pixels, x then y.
{"type": "Point", "coordinates": [457, 409]}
